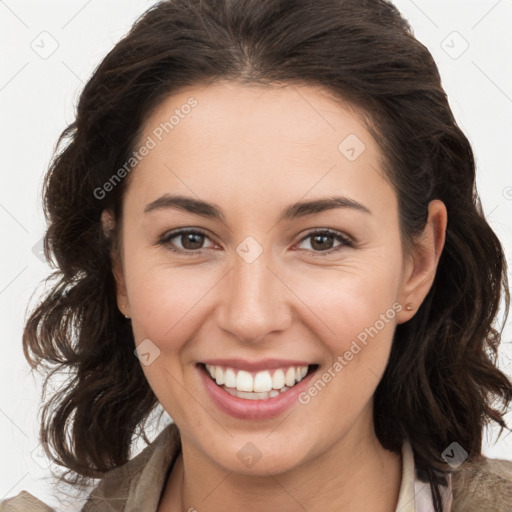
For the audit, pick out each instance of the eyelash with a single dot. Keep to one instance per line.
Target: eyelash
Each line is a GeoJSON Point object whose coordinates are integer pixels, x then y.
{"type": "Point", "coordinates": [345, 241]}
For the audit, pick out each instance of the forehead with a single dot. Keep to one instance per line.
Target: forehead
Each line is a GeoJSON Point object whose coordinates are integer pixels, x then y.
{"type": "Point", "coordinates": [231, 137]}
{"type": "Point", "coordinates": [247, 114]}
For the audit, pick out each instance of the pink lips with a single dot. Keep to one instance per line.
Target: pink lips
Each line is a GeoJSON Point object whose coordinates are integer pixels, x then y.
{"type": "Point", "coordinates": [253, 409]}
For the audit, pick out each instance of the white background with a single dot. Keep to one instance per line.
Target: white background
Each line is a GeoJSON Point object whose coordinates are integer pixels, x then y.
{"type": "Point", "coordinates": [37, 99]}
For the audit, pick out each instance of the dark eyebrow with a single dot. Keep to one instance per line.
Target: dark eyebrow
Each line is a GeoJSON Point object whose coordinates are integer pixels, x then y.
{"type": "Point", "coordinates": [296, 210]}
{"type": "Point", "coordinates": [303, 208]}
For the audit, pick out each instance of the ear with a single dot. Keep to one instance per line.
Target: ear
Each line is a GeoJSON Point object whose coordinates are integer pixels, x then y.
{"type": "Point", "coordinates": [108, 225]}
{"type": "Point", "coordinates": [421, 264]}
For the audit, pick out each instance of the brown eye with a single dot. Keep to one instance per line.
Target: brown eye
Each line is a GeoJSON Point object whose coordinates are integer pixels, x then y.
{"type": "Point", "coordinates": [322, 241]}
{"type": "Point", "coordinates": [189, 239]}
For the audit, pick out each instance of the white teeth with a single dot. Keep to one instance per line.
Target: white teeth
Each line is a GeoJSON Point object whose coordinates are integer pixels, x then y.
{"type": "Point", "coordinates": [300, 373]}
{"type": "Point", "coordinates": [244, 381]}
{"type": "Point", "coordinates": [219, 376]}
{"type": "Point", "coordinates": [278, 379]}
{"type": "Point", "coordinates": [261, 382]}
{"type": "Point", "coordinates": [229, 378]}
{"type": "Point", "coordinates": [289, 378]}
{"type": "Point", "coordinates": [255, 396]}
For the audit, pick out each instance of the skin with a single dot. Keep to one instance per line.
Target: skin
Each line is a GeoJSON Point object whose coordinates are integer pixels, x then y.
{"type": "Point", "coordinates": [253, 151]}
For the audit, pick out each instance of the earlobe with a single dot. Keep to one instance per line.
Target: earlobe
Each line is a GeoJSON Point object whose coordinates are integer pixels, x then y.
{"type": "Point", "coordinates": [423, 261]}
{"type": "Point", "coordinates": [122, 296]}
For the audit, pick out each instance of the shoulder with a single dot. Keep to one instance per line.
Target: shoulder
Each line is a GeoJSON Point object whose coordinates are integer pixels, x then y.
{"type": "Point", "coordinates": [482, 484]}
{"type": "Point", "coordinates": [139, 481]}
{"type": "Point", "coordinates": [24, 502]}
{"type": "Point", "coordinates": [129, 484]}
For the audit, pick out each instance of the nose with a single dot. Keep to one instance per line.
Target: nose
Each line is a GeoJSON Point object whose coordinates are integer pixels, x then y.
{"type": "Point", "coordinates": [255, 301]}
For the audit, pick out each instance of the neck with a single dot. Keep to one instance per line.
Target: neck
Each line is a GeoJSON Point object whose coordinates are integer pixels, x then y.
{"type": "Point", "coordinates": [355, 474]}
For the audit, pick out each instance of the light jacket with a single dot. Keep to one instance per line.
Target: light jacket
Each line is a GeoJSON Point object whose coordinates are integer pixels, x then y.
{"type": "Point", "coordinates": [480, 486]}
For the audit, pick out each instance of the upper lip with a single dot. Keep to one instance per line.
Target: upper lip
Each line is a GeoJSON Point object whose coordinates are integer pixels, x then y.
{"type": "Point", "coordinates": [254, 366]}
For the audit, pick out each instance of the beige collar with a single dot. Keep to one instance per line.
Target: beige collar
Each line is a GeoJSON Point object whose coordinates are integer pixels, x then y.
{"type": "Point", "coordinates": [415, 495]}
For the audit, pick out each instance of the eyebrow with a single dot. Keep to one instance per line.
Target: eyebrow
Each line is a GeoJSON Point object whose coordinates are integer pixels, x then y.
{"type": "Point", "coordinates": [293, 211]}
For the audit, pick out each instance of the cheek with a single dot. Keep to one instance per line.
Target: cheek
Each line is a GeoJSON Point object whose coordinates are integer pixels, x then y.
{"type": "Point", "coordinates": [165, 300]}
{"type": "Point", "coordinates": [339, 302]}
{"type": "Point", "coordinates": [350, 300]}
{"type": "Point", "coordinates": [355, 319]}
{"type": "Point", "coordinates": [165, 304]}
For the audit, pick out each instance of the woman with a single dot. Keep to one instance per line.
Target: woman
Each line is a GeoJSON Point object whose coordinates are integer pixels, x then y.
{"type": "Point", "coordinates": [215, 150]}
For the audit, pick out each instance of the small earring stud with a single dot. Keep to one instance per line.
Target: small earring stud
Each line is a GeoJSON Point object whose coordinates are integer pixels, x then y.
{"type": "Point", "coordinates": [409, 307]}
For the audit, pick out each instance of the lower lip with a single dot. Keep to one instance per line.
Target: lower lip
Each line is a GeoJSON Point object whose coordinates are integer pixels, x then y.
{"type": "Point", "coordinates": [247, 409]}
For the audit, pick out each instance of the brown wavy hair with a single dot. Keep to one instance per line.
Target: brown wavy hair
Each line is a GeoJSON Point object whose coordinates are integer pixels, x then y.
{"type": "Point", "coordinates": [442, 382]}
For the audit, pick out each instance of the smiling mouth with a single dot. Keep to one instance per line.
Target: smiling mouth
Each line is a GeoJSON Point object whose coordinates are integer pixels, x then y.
{"type": "Point", "coordinates": [262, 385]}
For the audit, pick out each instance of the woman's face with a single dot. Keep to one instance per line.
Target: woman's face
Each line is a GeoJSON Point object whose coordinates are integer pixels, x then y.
{"type": "Point", "coordinates": [261, 286]}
